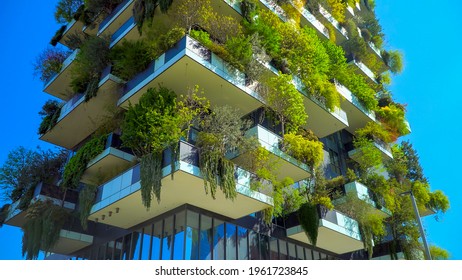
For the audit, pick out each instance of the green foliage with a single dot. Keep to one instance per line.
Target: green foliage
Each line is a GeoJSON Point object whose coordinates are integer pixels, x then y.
{"type": "Point", "coordinates": [309, 220]}
{"type": "Point", "coordinates": [222, 131]}
{"type": "Point", "coordinates": [248, 8]}
{"type": "Point", "coordinates": [87, 196]}
{"type": "Point", "coordinates": [240, 49]}
{"type": "Point", "coordinates": [77, 165]}
{"type": "Point", "coordinates": [156, 123]}
{"type": "Point", "coordinates": [438, 201]}
{"type": "Point", "coordinates": [153, 124]}
{"type": "Point", "coordinates": [393, 119]}
{"type": "Point", "coordinates": [358, 85]}
{"type": "Point", "coordinates": [50, 113]}
{"type": "Point", "coordinates": [367, 154]}
{"type": "Point", "coordinates": [201, 36]}
{"type": "Point", "coordinates": [44, 221]}
{"type": "Point", "coordinates": [130, 58]}
{"type": "Point", "coordinates": [65, 10]}
{"type": "Point", "coordinates": [151, 176]}
{"type": "Point", "coordinates": [190, 13]}
{"type": "Point", "coordinates": [373, 131]}
{"type": "Point", "coordinates": [305, 150]}
{"type": "Point", "coordinates": [58, 35]}
{"type": "Point", "coordinates": [144, 10]}
{"type": "Point", "coordinates": [287, 103]}
{"type": "Point", "coordinates": [337, 9]}
{"type": "Point", "coordinates": [49, 63]}
{"type": "Point", "coordinates": [439, 253]}
{"type": "Point", "coordinates": [89, 63]}
{"type": "Point", "coordinates": [169, 39]}
{"type": "Point", "coordinates": [24, 169]}
{"type": "Point", "coordinates": [394, 60]}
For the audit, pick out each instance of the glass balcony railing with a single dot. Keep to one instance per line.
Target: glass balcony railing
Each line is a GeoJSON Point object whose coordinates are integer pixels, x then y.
{"type": "Point", "coordinates": [64, 66]}
{"type": "Point", "coordinates": [333, 21]}
{"type": "Point", "coordinates": [115, 13]}
{"type": "Point", "coordinates": [345, 92]}
{"type": "Point", "coordinates": [122, 31]}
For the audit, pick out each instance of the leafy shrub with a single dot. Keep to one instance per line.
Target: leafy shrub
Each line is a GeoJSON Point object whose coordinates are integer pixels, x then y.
{"type": "Point", "coordinates": [307, 151]}
{"type": "Point", "coordinates": [49, 63]}
{"type": "Point", "coordinates": [65, 10]}
{"type": "Point", "coordinates": [130, 58]}
{"type": "Point", "coordinates": [50, 113]}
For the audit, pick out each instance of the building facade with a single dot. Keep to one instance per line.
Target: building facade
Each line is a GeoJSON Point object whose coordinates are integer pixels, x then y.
{"type": "Point", "coordinates": [187, 223]}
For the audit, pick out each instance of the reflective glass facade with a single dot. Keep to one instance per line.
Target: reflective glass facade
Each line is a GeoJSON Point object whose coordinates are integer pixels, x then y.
{"type": "Point", "coordinates": [191, 235]}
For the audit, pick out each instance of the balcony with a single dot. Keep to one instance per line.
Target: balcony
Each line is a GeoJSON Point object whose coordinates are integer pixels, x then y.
{"type": "Point", "coordinates": [321, 120]}
{"type": "Point", "coordinates": [112, 161]}
{"type": "Point", "coordinates": [80, 118]}
{"type": "Point", "coordinates": [73, 27]}
{"type": "Point", "coordinates": [337, 233]}
{"type": "Point", "coordinates": [59, 85]}
{"type": "Point", "coordinates": [270, 141]}
{"type": "Point", "coordinates": [16, 217]}
{"type": "Point", "coordinates": [383, 147]}
{"type": "Point", "coordinates": [189, 64]}
{"type": "Point", "coordinates": [70, 242]}
{"type": "Point", "coordinates": [361, 69]}
{"type": "Point", "coordinates": [341, 34]}
{"type": "Point", "coordinates": [311, 21]}
{"type": "Point", "coordinates": [117, 18]}
{"type": "Point", "coordinates": [358, 115]}
{"type": "Point", "coordinates": [364, 193]}
{"type": "Point", "coordinates": [118, 202]}
{"type": "Point", "coordinates": [126, 31]}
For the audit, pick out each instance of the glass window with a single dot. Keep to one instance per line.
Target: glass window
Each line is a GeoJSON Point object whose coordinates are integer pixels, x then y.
{"type": "Point", "coordinates": [264, 247]}
{"type": "Point", "coordinates": [118, 248]}
{"type": "Point", "coordinates": [218, 239]}
{"type": "Point", "coordinates": [300, 253]}
{"type": "Point", "coordinates": [243, 250]}
{"type": "Point", "coordinates": [316, 255]}
{"type": "Point", "coordinates": [192, 236]}
{"type": "Point", "coordinates": [205, 241]}
{"type": "Point", "coordinates": [283, 250]}
{"type": "Point", "coordinates": [308, 254]}
{"type": "Point", "coordinates": [274, 252]}
{"type": "Point", "coordinates": [334, 161]}
{"type": "Point", "coordinates": [292, 252]}
{"type": "Point", "coordinates": [178, 247]}
{"type": "Point", "coordinates": [146, 243]}
{"type": "Point", "coordinates": [230, 241]}
{"type": "Point", "coordinates": [254, 245]}
{"type": "Point", "coordinates": [156, 238]}
{"type": "Point", "coordinates": [323, 256]}
{"type": "Point", "coordinates": [167, 238]}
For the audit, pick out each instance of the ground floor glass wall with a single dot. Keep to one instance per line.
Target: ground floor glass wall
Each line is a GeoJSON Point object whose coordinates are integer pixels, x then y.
{"type": "Point", "coordinates": [190, 235]}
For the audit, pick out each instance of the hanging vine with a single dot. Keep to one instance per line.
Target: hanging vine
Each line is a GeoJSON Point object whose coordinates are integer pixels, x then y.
{"type": "Point", "coordinates": [74, 169]}
{"type": "Point", "coordinates": [309, 220]}
{"type": "Point", "coordinates": [87, 197]}
{"type": "Point", "coordinates": [44, 221]}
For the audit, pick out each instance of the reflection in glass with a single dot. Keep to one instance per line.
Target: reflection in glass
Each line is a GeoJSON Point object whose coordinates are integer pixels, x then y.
{"type": "Point", "coordinates": [274, 254]}
{"type": "Point", "coordinates": [264, 247]}
{"type": "Point", "coordinates": [300, 253]}
{"type": "Point", "coordinates": [178, 247]}
{"type": "Point", "coordinates": [146, 243]}
{"type": "Point", "coordinates": [167, 238]}
{"type": "Point", "coordinates": [253, 245]}
{"type": "Point", "coordinates": [205, 242]}
{"type": "Point", "coordinates": [308, 254]}
{"type": "Point", "coordinates": [192, 236]}
{"type": "Point", "coordinates": [218, 240]}
{"type": "Point", "coordinates": [156, 238]}
{"type": "Point", "coordinates": [292, 252]}
{"type": "Point", "coordinates": [230, 241]}
{"type": "Point", "coordinates": [283, 250]}
{"type": "Point", "coordinates": [243, 250]}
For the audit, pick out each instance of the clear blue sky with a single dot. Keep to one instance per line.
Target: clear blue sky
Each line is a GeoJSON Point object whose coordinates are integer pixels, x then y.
{"type": "Point", "coordinates": [427, 32]}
